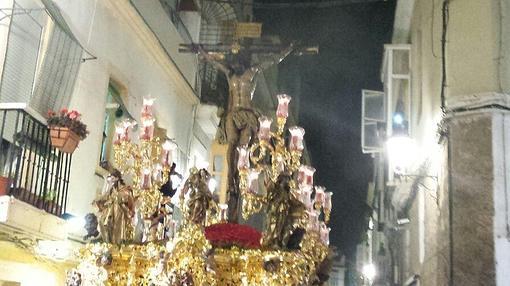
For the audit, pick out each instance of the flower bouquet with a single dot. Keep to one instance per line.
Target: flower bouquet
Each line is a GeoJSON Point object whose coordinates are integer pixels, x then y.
{"type": "Point", "coordinates": [66, 129]}
{"type": "Point", "coordinates": [230, 234]}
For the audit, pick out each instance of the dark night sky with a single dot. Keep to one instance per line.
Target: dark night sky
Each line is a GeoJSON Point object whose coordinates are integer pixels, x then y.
{"type": "Point", "coordinates": [351, 39]}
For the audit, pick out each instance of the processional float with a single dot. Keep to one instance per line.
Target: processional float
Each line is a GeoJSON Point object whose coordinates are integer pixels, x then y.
{"type": "Point", "coordinates": [140, 241]}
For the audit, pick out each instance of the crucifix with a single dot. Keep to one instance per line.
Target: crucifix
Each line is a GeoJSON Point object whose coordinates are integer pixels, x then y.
{"type": "Point", "coordinates": [239, 124]}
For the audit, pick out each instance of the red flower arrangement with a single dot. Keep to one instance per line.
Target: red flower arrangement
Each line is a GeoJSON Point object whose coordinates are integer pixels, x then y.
{"type": "Point", "coordinates": [230, 234]}
{"type": "Point", "coordinates": [70, 119]}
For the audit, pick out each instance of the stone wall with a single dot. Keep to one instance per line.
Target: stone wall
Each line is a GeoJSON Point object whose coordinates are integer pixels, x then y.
{"type": "Point", "coordinates": [472, 184]}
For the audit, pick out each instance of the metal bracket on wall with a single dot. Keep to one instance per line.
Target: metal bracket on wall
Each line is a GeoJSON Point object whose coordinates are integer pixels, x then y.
{"type": "Point", "coordinates": [17, 11]}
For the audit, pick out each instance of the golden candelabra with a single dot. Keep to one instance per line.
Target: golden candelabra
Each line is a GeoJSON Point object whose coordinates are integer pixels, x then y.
{"type": "Point", "coordinates": [146, 162]}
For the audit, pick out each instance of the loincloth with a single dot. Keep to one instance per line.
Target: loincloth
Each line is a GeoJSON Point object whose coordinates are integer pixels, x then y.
{"type": "Point", "coordinates": [242, 118]}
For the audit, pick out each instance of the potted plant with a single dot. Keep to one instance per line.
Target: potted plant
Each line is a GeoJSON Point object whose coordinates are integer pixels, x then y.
{"type": "Point", "coordinates": [66, 129]}
{"type": "Point", "coordinates": [4, 185]}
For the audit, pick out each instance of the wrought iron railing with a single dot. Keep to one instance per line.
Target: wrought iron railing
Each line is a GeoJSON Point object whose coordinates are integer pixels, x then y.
{"type": "Point", "coordinates": [37, 173]}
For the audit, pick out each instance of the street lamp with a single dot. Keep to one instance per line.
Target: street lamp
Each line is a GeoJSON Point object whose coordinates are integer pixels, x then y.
{"type": "Point", "coordinates": [369, 272]}
{"type": "Point", "coordinates": [402, 153]}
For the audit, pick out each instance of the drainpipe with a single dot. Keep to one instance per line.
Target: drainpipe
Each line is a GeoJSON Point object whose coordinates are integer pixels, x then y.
{"type": "Point", "coordinates": [445, 18]}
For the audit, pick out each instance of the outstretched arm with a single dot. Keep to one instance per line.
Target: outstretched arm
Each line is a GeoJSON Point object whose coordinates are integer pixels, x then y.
{"type": "Point", "coordinates": [277, 59]}
{"type": "Point", "coordinates": [212, 60]}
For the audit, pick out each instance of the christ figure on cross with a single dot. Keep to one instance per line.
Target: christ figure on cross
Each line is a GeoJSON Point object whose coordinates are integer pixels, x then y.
{"type": "Point", "coordinates": [239, 124]}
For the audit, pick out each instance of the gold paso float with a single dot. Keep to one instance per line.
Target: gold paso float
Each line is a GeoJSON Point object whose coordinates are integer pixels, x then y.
{"type": "Point", "coordinates": [140, 245]}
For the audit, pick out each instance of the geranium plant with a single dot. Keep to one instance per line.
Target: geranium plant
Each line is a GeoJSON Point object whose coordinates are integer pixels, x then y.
{"type": "Point", "coordinates": [70, 119]}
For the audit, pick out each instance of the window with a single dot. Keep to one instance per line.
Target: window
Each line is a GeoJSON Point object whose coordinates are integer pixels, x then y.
{"type": "Point", "coordinates": [396, 75]}
{"type": "Point", "coordinates": [397, 88]}
{"type": "Point", "coordinates": [114, 111]}
{"type": "Point", "coordinates": [41, 61]}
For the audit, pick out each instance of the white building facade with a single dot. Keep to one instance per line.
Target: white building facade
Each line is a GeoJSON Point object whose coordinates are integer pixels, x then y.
{"type": "Point", "coordinates": [100, 58]}
{"type": "Point", "coordinates": [440, 203]}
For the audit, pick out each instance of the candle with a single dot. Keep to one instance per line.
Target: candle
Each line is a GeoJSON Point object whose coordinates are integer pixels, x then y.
{"type": "Point", "coordinates": [146, 178]}
{"type": "Point", "coordinates": [147, 128]}
{"type": "Point", "coordinates": [148, 102]}
{"type": "Point", "coordinates": [167, 152]}
{"type": "Point", "coordinates": [243, 161]}
{"type": "Point", "coordinates": [265, 128]}
{"type": "Point", "coordinates": [319, 196]}
{"type": "Point", "coordinates": [223, 212]}
{"type": "Point", "coordinates": [253, 178]}
{"type": "Point", "coordinates": [283, 106]}
{"type": "Point", "coordinates": [296, 138]}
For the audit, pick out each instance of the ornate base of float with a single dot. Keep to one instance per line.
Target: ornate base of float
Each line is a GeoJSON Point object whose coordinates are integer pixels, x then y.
{"type": "Point", "coordinates": [189, 259]}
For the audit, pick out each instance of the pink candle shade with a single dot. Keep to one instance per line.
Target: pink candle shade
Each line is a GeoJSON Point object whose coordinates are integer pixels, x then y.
{"type": "Point", "coordinates": [327, 200]}
{"type": "Point", "coordinates": [265, 128]}
{"type": "Point", "coordinates": [253, 178]}
{"type": "Point", "coordinates": [324, 233]}
{"type": "Point", "coordinates": [313, 222]}
{"type": "Point", "coordinates": [148, 102]}
{"type": "Point", "coordinates": [243, 161]}
{"type": "Point", "coordinates": [283, 106]}
{"type": "Point", "coordinates": [296, 138]}
{"type": "Point", "coordinates": [305, 177]}
{"type": "Point", "coordinates": [167, 152]}
{"type": "Point", "coordinates": [147, 128]}
{"type": "Point", "coordinates": [223, 211]}
{"type": "Point", "coordinates": [119, 134]}
{"type": "Point", "coordinates": [158, 173]}
{"type": "Point", "coordinates": [146, 179]}
{"type": "Point", "coordinates": [305, 198]}
{"type": "Point", "coordinates": [319, 195]}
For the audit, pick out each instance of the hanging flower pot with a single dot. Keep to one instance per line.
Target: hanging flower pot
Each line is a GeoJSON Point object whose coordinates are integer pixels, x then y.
{"type": "Point", "coordinates": [64, 139]}
{"type": "Point", "coordinates": [66, 130]}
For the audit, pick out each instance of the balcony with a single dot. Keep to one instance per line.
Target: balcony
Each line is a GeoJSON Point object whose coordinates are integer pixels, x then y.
{"type": "Point", "coordinates": [37, 173]}
{"type": "Point", "coordinates": [162, 18]}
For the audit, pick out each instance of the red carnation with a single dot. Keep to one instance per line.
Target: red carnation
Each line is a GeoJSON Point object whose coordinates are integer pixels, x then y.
{"type": "Point", "coordinates": [229, 234]}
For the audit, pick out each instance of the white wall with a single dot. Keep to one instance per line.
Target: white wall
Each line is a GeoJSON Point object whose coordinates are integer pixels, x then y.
{"type": "Point", "coordinates": [29, 274]}
{"type": "Point", "coordinates": [501, 156]}
{"type": "Point", "coordinates": [128, 53]}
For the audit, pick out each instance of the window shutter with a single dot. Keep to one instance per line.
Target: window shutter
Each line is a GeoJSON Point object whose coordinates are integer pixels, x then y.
{"type": "Point", "coordinates": [372, 120]}
{"type": "Point", "coordinates": [56, 78]}
{"type": "Point", "coordinates": [20, 58]}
